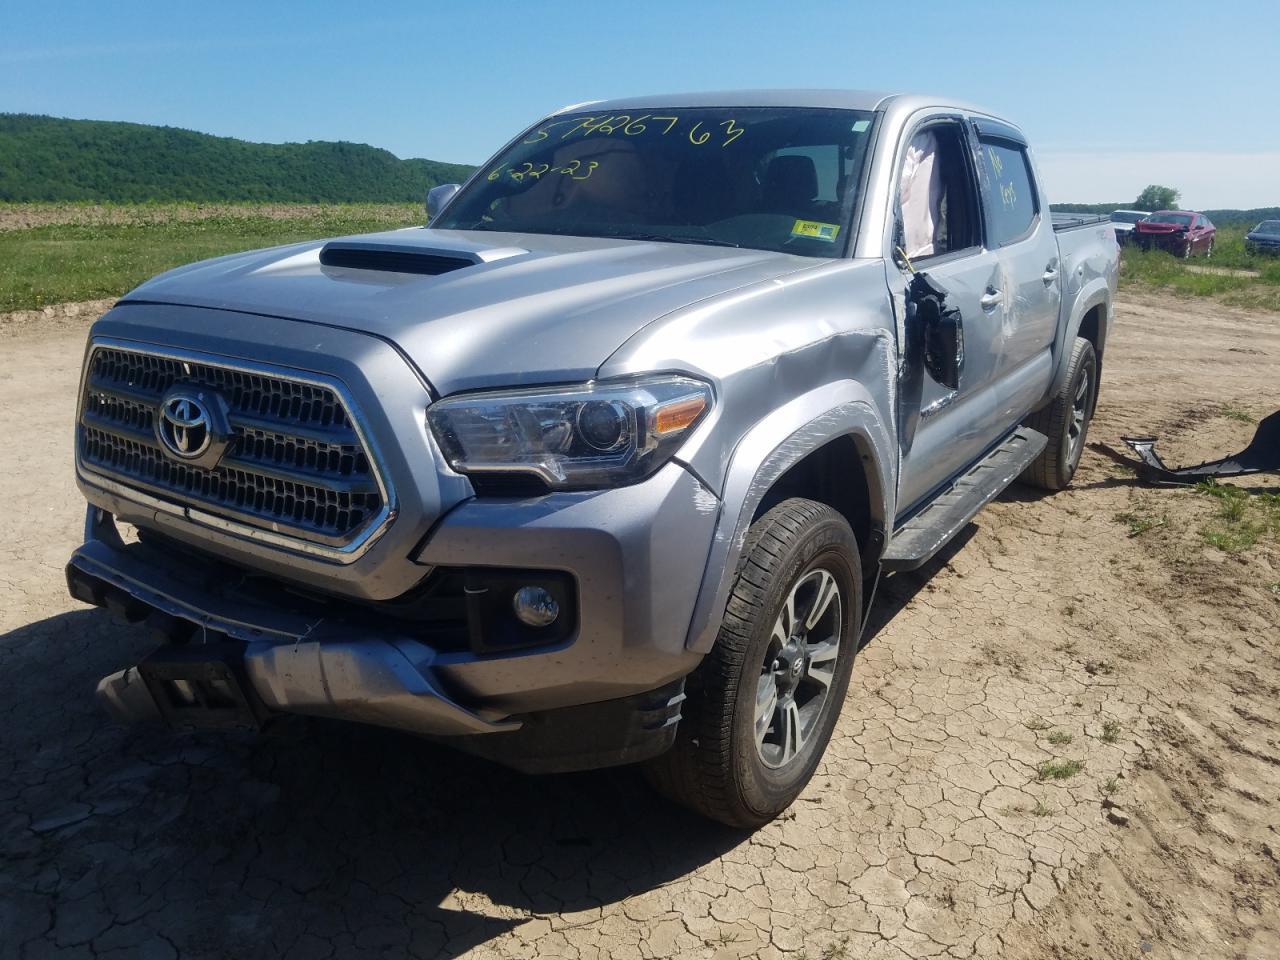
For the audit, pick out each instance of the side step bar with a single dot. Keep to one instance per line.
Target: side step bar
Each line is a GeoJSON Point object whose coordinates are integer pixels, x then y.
{"type": "Point", "coordinates": [916, 541]}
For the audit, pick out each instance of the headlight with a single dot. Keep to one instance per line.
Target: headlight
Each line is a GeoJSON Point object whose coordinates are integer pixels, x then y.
{"type": "Point", "coordinates": [602, 434]}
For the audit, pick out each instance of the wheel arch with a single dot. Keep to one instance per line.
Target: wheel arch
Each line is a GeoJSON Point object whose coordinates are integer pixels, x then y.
{"type": "Point", "coordinates": [818, 476]}
{"type": "Point", "coordinates": [791, 453]}
{"type": "Point", "coordinates": [1091, 319]}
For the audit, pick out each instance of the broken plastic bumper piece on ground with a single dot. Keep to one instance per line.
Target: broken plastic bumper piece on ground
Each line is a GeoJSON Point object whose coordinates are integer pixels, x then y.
{"type": "Point", "coordinates": [1262, 455]}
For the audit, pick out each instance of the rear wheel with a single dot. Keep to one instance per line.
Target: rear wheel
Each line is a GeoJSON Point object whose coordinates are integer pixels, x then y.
{"type": "Point", "coordinates": [762, 705]}
{"type": "Point", "coordinates": [1065, 421]}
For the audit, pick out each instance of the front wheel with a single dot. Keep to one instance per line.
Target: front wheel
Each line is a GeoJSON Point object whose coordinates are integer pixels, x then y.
{"type": "Point", "coordinates": [763, 703]}
{"type": "Point", "coordinates": [1065, 421]}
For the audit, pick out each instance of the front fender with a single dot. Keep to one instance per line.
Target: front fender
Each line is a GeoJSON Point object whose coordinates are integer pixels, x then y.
{"type": "Point", "coordinates": [765, 453]}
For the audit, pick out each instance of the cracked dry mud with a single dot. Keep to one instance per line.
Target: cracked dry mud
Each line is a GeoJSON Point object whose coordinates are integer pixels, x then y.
{"type": "Point", "coordinates": [934, 827]}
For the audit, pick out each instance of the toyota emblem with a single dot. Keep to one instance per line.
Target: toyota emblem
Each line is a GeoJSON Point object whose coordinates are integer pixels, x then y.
{"type": "Point", "coordinates": [191, 425]}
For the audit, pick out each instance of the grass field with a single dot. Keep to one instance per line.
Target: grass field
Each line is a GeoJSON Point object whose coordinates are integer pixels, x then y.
{"type": "Point", "coordinates": [55, 253]}
{"type": "Point", "coordinates": [1232, 275]}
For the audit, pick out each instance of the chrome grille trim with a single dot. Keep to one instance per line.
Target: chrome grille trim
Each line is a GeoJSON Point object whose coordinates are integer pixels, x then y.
{"type": "Point", "coordinates": [301, 473]}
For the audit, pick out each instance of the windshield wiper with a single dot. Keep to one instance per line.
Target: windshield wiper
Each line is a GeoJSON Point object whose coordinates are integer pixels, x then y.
{"type": "Point", "coordinates": [674, 238]}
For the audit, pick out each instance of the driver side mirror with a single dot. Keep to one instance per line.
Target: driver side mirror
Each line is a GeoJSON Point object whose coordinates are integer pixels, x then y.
{"type": "Point", "coordinates": [438, 197]}
{"type": "Point", "coordinates": [939, 327]}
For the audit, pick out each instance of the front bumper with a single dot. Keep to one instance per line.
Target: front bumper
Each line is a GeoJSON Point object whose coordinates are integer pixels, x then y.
{"type": "Point", "coordinates": [635, 557]}
{"type": "Point", "coordinates": [282, 662]}
{"type": "Point", "coordinates": [1172, 242]}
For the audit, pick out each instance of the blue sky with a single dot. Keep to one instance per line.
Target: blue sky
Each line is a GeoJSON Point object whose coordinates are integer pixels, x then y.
{"type": "Point", "coordinates": [1113, 94]}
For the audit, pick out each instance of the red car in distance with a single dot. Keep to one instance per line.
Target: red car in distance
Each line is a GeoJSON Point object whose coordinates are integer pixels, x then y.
{"type": "Point", "coordinates": [1183, 233]}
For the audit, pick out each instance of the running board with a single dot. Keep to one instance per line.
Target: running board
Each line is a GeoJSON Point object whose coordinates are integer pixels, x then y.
{"type": "Point", "coordinates": [916, 541]}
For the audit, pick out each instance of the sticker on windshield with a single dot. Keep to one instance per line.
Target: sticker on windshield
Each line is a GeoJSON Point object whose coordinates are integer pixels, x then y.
{"type": "Point", "coordinates": [813, 230]}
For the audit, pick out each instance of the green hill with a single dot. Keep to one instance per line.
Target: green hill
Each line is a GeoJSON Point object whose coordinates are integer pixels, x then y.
{"type": "Point", "coordinates": [48, 158]}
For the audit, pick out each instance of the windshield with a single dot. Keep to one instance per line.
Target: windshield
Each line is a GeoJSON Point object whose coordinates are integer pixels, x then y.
{"type": "Point", "coordinates": [781, 179]}
{"type": "Point", "coordinates": [1127, 216]}
{"type": "Point", "coordinates": [1179, 219]}
{"type": "Point", "coordinates": [1268, 227]}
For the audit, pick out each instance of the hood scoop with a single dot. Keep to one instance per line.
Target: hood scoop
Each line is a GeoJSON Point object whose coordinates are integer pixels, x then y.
{"type": "Point", "coordinates": [385, 257]}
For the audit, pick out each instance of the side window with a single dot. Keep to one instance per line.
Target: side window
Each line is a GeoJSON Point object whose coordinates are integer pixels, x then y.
{"type": "Point", "coordinates": [1008, 197]}
{"type": "Point", "coordinates": [937, 211]}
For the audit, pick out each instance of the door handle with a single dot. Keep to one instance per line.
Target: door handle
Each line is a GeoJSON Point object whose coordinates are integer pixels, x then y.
{"type": "Point", "coordinates": [991, 299]}
{"type": "Point", "coordinates": [1050, 274]}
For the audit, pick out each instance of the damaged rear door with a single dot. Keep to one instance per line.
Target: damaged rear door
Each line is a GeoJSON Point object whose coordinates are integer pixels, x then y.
{"type": "Point", "coordinates": [1020, 231]}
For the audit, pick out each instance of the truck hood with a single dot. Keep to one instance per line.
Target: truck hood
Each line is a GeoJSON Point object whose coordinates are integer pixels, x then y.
{"type": "Point", "coordinates": [510, 309]}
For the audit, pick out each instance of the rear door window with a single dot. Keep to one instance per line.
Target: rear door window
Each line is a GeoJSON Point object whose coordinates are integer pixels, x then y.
{"type": "Point", "coordinates": [1008, 195]}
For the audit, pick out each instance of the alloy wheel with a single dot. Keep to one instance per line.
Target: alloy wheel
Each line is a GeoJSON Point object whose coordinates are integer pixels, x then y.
{"type": "Point", "coordinates": [799, 668]}
{"type": "Point", "coordinates": [1079, 416]}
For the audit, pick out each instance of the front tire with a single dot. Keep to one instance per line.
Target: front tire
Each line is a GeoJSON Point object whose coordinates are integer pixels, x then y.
{"type": "Point", "coordinates": [763, 703]}
{"type": "Point", "coordinates": [1065, 421]}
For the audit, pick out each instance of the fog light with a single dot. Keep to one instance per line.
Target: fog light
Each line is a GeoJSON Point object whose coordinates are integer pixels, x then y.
{"type": "Point", "coordinates": [535, 607]}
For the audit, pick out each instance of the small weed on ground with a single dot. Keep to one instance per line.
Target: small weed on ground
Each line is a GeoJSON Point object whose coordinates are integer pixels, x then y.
{"type": "Point", "coordinates": [1059, 737]}
{"type": "Point", "coordinates": [1241, 518]}
{"type": "Point", "coordinates": [1139, 523]}
{"type": "Point", "coordinates": [1036, 723]}
{"type": "Point", "coordinates": [1059, 769]}
{"type": "Point", "coordinates": [1235, 413]}
{"type": "Point", "coordinates": [1110, 731]}
{"type": "Point", "coordinates": [1041, 809]}
{"type": "Point", "coordinates": [1110, 787]}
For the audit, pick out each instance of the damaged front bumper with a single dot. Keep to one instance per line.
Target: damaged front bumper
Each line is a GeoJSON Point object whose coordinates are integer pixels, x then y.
{"type": "Point", "coordinates": [600, 686]}
{"type": "Point", "coordinates": [1262, 455]}
{"type": "Point", "coordinates": [248, 662]}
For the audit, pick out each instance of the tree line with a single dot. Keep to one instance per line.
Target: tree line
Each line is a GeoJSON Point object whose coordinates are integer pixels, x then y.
{"type": "Point", "coordinates": [53, 159]}
{"type": "Point", "coordinates": [1158, 197]}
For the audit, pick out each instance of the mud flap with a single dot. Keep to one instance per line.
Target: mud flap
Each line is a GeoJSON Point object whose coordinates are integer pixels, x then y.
{"type": "Point", "coordinates": [1262, 455]}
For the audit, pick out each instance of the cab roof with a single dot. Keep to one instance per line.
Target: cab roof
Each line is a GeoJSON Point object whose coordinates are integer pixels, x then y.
{"type": "Point", "coordinates": [837, 99]}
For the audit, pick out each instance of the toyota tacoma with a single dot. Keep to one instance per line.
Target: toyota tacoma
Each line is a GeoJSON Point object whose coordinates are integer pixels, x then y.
{"type": "Point", "coordinates": [602, 464]}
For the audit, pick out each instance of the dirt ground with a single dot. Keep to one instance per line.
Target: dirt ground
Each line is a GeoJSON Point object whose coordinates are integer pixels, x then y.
{"type": "Point", "coordinates": [935, 827]}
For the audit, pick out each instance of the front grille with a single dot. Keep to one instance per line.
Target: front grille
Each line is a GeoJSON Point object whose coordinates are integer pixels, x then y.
{"type": "Point", "coordinates": [295, 463]}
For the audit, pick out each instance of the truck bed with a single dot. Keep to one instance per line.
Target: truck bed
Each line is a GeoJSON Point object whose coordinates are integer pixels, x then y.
{"type": "Point", "coordinates": [1073, 221]}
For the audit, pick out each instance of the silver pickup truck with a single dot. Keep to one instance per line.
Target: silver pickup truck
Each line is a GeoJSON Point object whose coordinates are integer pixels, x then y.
{"type": "Point", "coordinates": [602, 465]}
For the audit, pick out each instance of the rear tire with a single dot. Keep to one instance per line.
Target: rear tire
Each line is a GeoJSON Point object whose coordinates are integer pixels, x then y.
{"type": "Point", "coordinates": [1065, 421]}
{"type": "Point", "coordinates": [763, 703]}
